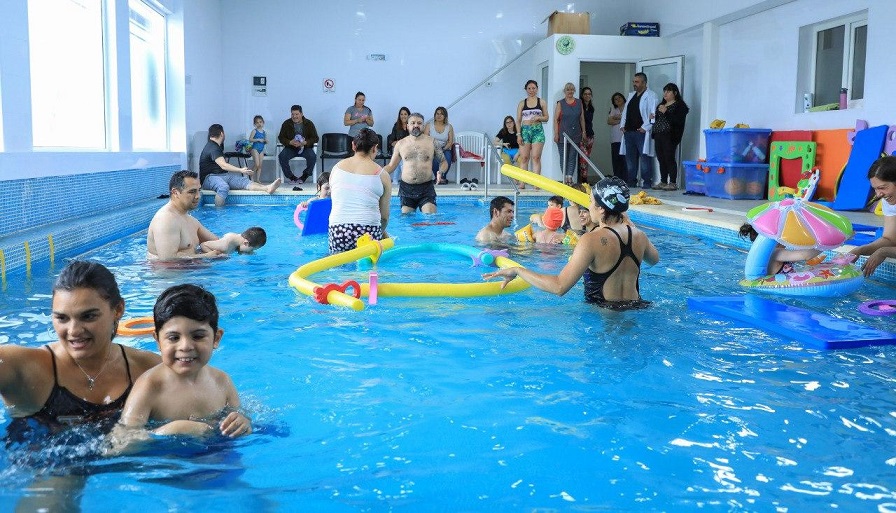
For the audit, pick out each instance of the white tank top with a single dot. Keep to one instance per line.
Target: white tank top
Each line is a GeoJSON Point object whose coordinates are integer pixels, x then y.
{"type": "Point", "coordinates": [888, 210]}
{"type": "Point", "coordinates": [356, 198]}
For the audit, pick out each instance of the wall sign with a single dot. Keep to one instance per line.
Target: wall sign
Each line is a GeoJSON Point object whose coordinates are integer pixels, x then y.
{"type": "Point", "coordinates": [329, 85]}
{"type": "Point", "coordinates": [259, 86]}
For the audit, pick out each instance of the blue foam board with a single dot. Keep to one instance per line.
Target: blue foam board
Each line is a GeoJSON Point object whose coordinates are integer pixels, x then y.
{"type": "Point", "coordinates": [854, 190]}
{"type": "Point", "coordinates": [317, 218]}
{"type": "Point", "coordinates": [814, 329]}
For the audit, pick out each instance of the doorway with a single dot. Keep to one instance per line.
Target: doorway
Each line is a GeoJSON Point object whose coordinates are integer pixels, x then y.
{"type": "Point", "coordinates": [604, 79]}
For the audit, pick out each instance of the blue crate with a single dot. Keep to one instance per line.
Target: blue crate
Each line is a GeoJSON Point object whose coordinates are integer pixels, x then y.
{"type": "Point", "coordinates": [736, 181]}
{"type": "Point", "coordinates": [741, 145]}
{"type": "Point", "coordinates": [694, 177]}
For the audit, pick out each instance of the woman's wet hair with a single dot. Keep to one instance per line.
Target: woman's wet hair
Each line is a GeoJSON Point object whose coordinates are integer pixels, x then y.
{"type": "Point", "coordinates": [186, 300]}
{"type": "Point", "coordinates": [746, 231]}
{"type": "Point", "coordinates": [884, 169]}
{"type": "Point", "coordinates": [366, 140]}
{"type": "Point", "coordinates": [83, 274]}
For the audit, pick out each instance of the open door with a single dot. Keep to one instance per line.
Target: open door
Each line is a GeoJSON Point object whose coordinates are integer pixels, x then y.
{"type": "Point", "coordinates": [659, 73]}
{"type": "Point", "coordinates": [662, 71]}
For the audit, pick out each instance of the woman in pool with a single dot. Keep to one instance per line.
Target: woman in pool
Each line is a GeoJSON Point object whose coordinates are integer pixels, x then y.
{"type": "Point", "coordinates": [360, 191]}
{"type": "Point", "coordinates": [81, 379]}
{"type": "Point", "coordinates": [882, 175]}
{"type": "Point", "coordinates": [609, 257]}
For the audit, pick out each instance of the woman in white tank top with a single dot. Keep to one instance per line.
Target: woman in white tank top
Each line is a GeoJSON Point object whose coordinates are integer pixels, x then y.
{"type": "Point", "coordinates": [360, 191]}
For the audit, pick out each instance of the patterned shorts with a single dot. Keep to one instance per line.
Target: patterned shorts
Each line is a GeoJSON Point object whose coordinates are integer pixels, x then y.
{"type": "Point", "coordinates": [533, 134]}
{"type": "Point", "coordinates": [344, 237]}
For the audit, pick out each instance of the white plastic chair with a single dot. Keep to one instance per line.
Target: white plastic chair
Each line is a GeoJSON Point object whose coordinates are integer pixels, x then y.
{"type": "Point", "coordinates": [472, 142]}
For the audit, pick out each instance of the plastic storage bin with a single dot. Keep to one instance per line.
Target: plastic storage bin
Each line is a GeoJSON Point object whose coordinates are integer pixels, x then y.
{"type": "Point", "coordinates": [741, 145]}
{"type": "Point", "coordinates": [694, 177]}
{"type": "Point", "coordinates": [736, 181]}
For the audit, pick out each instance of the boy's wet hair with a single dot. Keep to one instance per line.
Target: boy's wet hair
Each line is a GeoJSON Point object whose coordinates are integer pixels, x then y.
{"type": "Point", "coordinates": [557, 200]}
{"type": "Point", "coordinates": [255, 236]}
{"type": "Point", "coordinates": [186, 300]}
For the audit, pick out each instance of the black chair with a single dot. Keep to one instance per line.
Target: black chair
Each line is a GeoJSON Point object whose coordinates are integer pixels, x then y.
{"type": "Point", "coordinates": [334, 146]}
{"type": "Point", "coordinates": [381, 152]}
{"type": "Point", "coordinates": [242, 159]}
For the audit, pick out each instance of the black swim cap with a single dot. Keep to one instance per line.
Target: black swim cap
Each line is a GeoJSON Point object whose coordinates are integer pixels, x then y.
{"type": "Point", "coordinates": [611, 194]}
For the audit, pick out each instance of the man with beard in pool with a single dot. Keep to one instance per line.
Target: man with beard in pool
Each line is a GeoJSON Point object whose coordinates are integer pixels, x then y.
{"type": "Point", "coordinates": [416, 186]}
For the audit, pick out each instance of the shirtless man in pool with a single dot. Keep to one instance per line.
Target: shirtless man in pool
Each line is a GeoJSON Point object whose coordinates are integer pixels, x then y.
{"type": "Point", "coordinates": [416, 186]}
{"type": "Point", "coordinates": [173, 232]}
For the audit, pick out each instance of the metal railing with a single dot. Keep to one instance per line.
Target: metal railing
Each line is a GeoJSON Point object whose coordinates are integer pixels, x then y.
{"type": "Point", "coordinates": [569, 142]}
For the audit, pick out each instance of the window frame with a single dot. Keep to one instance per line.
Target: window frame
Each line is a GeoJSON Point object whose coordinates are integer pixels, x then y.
{"type": "Point", "coordinates": [164, 13]}
{"type": "Point", "coordinates": [850, 23]}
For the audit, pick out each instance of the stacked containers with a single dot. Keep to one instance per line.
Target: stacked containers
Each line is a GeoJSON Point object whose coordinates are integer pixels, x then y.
{"type": "Point", "coordinates": [736, 164]}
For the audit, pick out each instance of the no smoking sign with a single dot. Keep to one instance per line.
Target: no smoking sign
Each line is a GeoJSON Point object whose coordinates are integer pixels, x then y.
{"type": "Point", "coordinates": [329, 85]}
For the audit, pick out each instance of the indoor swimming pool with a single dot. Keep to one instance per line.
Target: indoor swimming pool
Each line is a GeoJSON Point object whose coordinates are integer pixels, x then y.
{"type": "Point", "coordinates": [522, 402]}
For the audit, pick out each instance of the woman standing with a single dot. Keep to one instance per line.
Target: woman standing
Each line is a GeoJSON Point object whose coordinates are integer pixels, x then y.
{"type": "Point", "coordinates": [360, 191]}
{"type": "Point", "coordinates": [614, 119]}
{"type": "Point", "coordinates": [442, 131]}
{"type": "Point", "coordinates": [569, 120]}
{"type": "Point", "coordinates": [668, 127]}
{"type": "Point", "coordinates": [82, 378]}
{"type": "Point", "coordinates": [507, 141]}
{"type": "Point", "coordinates": [531, 112]}
{"type": "Point", "coordinates": [587, 141]}
{"type": "Point", "coordinates": [358, 116]}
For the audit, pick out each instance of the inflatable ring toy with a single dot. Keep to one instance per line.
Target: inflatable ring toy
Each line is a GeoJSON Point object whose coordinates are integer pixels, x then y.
{"type": "Point", "coordinates": [822, 280]}
{"type": "Point", "coordinates": [295, 216]}
{"type": "Point", "coordinates": [368, 250]}
{"type": "Point", "coordinates": [878, 307]}
{"type": "Point", "coordinates": [128, 328]}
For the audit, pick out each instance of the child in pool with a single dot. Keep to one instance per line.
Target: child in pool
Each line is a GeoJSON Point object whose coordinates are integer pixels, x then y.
{"type": "Point", "coordinates": [782, 259]}
{"type": "Point", "coordinates": [183, 393]}
{"type": "Point", "coordinates": [246, 242]}
{"type": "Point", "coordinates": [323, 188]}
{"type": "Point", "coordinates": [258, 138]}
{"type": "Point", "coordinates": [553, 201]}
{"type": "Point", "coordinates": [551, 220]}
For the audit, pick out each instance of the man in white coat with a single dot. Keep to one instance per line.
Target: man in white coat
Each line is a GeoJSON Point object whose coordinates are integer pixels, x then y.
{"type": "Point", "coordinates": [637, 122]}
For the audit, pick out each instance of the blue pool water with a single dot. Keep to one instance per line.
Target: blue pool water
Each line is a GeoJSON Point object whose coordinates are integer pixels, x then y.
{"type": "Point", "coordinates": [525, 402]}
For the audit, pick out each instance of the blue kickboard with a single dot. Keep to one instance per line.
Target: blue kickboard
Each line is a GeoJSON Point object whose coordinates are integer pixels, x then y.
{"type": "Point", "coordinates": [317, 218]}
{"type": "Point", "coordinates": [814, 329]}
{"type": "Point", "coordinates": [854, 190]}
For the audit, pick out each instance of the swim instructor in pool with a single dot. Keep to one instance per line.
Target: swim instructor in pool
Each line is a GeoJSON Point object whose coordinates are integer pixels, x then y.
{"type": "Point", "coordinates": [609, 257]}
{"type": "Point", "coordinates": [82, 378]}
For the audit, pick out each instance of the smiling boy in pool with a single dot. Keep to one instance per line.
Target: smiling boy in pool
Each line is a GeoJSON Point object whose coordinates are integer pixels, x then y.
{"type": "Point", "coordinates": [183, 393]}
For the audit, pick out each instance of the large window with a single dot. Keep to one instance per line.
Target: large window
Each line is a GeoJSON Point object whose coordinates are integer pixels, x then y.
{"type": "Point", "coordinates": [839, 52]}
{"type": "Point", "coordinates": [148, 100]}
{"type": "Point", "coordinates": [68, 93]}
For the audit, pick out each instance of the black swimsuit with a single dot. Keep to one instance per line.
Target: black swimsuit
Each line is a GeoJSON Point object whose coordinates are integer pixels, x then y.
{"type": "Point", "coordinates": [63, 409]}
{"type": "Point", "coordinates": [594, 282]}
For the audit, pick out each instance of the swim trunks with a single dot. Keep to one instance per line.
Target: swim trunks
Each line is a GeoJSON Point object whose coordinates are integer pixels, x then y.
{"type": "Point", "coordinates": [533, 134]}
{"type": "Point", "coordinates": [415, 195]}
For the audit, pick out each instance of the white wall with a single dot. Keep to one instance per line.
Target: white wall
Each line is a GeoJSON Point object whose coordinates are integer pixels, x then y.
{"type": "Point", "coordinates": [431, 59]}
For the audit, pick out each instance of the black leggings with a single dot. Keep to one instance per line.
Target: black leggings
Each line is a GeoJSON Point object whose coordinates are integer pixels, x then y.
{"type": "Point", "coordinates": [665, 154]}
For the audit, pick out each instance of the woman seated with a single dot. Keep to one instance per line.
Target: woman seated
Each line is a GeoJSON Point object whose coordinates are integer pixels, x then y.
{"type": "Point", "coordinates": [442, 131]}
{"type": "Point", "coordinates": [507, 141]}
{"type": "Point", "coordinates": [609, 258]}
